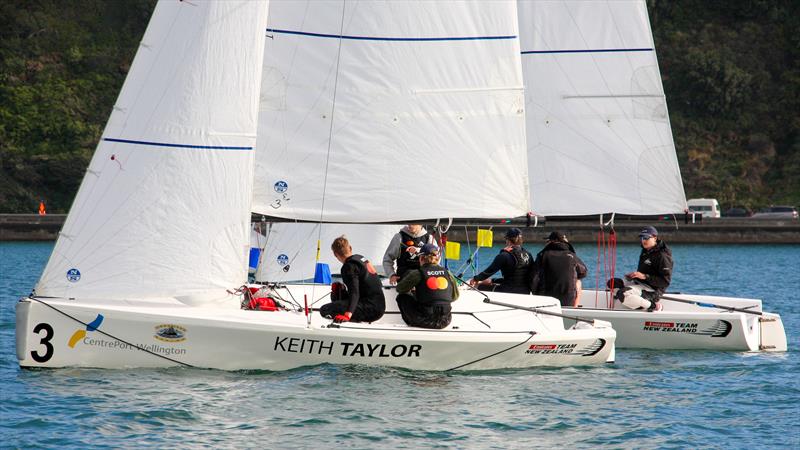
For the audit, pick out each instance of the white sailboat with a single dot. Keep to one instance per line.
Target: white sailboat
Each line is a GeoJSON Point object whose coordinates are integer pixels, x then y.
{"type": "Point", "coordinates": [357, 107]}
{"type": "Point", "coordinates": [599, 141]}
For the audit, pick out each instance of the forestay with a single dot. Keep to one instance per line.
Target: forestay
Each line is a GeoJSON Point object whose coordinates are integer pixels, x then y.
{"type": "Point", "coordinates": [427, 121]}
{"type": "Point", "coordinates": [164, 207]}
{"type": "Point", "coordinates": [598, 133]}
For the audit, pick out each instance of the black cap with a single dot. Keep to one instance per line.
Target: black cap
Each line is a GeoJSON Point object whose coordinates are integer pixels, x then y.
{"type": "Point", "coordinates": [429, 249]}
{"type": "Point", "coordinates": [648, 232]}
{"type": "Point", "coordinates": [513, 233]}
{"type": "Point", "coordinates": [557, 236]}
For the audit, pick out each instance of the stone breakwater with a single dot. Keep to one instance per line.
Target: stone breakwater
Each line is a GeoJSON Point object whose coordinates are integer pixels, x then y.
{"type": "Point", "coordinates": [33, 227]}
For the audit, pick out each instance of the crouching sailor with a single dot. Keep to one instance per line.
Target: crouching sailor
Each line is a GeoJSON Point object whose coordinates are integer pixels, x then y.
{"type": "Point", "coordinates": [361, 298]}
{"type": "Point", "coordinates": [643, 288]}
{"type": "Point", "coordinates": [434, 289]}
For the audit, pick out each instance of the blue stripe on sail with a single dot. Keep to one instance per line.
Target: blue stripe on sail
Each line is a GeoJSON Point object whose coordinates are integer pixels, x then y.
{"type": "Point", "coordinates": [377, 38]}
{"type": "Point", "coordinates": [164, 144]}
{"type": "Point", "coordinates": [598, 50]}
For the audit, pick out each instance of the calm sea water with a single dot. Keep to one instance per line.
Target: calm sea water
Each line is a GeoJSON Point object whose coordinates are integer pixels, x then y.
{"type": "Point", "coordinates": [646, 400]}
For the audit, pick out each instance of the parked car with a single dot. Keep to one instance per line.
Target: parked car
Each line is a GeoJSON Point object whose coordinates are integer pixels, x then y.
{"type": "Point", "coordinates": [737, 212]}
{"type": "Point", "coordinates": [706, 207]}
{"type": "Point", "coordinates": [777, 212]}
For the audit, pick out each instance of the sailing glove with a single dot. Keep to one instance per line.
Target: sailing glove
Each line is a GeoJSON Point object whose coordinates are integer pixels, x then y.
{"type": "Point", "coordinates": [341, 318]}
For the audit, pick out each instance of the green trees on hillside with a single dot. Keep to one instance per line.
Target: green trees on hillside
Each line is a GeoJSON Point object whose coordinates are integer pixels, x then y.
{"type": "Point", "coordinates": [731, 71]}
{"type": "Point", "coordinates": [63, 64]}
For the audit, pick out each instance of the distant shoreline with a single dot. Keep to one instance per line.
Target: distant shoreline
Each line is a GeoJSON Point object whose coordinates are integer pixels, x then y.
{"type": "Point", "coordinates": [33, 227]}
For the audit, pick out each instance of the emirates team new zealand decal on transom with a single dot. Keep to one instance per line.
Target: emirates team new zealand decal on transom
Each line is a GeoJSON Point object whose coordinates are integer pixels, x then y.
{"type": "Point", "coordinates": [720, 329]}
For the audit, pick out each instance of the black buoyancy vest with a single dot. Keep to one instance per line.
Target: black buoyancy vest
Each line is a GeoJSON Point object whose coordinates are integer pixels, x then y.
{"type": "Point", "coordinates": [370, 283]}
{"type": "Point", "coordinates": [435, 286]}
{"type": "Point", "coordinates": [519, 279]}
{"type": "Point", "coordinates": [406, 261]}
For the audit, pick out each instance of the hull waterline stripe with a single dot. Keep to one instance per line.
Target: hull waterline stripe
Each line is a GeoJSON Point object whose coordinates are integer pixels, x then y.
{"type": "Point", "coordinates": [165, 144]}
{"type": "Point", "coordinates": [597, 50]}
{"type": "Point", "coordinates": [137, 347]}
{"type": "Point", "coordinates": [391, 39]}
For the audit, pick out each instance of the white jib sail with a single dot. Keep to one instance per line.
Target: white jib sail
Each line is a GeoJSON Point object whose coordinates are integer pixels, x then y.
{"type": "Point", "coordinates": [598, 133]}
{"type": "Point", "coordinates": [163, 209]}
{"type": "Point", "coordinates": [291, 248]}
{"type": "Point", "coordinates": [427, 121]}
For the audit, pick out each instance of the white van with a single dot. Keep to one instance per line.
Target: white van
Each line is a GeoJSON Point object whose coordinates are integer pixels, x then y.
{"type": "Point", "coordinates": [706, 207]}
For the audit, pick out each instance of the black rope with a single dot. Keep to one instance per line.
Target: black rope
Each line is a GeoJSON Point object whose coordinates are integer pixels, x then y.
{"type": "Point", "coordinates": [533, 333]}
{"type": "Point", "coordinates": [110, 335]}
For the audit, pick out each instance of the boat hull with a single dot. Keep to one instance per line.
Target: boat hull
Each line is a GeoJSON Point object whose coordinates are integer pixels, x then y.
{"type": "Point", "coordinates": [65, 333]}
{"type": "Point", "coordinates": [682, 326]}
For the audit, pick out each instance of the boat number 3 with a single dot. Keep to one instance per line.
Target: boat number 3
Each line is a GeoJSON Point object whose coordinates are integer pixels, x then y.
{"type": "Point", "coordinates": [48, 336]}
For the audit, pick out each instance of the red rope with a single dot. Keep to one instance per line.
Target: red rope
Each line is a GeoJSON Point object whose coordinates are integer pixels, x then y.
{"type": "Point", "coordinates": [600, 246]}
{"type": "Point", "coordinates": [612, 241]}
{"type": "Point", "coordinates": [607, 252]}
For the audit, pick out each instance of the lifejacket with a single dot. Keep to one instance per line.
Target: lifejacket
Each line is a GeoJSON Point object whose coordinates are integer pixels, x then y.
{"type": "Point", "coordinates": [435, 286]}
{"type": "Point", "coordinates": [518, 281]}
{"type": "Point", "coordinates": [407, 261]}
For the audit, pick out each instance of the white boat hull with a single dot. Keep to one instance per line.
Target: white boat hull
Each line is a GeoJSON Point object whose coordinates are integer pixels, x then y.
{"type": "Point", "coordinates": [682, 326]}
{"type": "Point", "coordinates": [61, 333]}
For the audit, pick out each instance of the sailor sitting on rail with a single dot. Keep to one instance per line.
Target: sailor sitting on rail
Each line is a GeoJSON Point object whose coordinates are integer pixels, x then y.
{"type": "Point", "coordinates": [643, 288]}
{"type": "Point", "coordinates": [362, 298]}
{"type": "Point", "coordinates": [435, 288]}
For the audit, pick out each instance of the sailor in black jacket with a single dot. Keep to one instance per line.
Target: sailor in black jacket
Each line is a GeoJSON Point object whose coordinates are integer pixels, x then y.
{"type": "Point", "coordinates": [514, 262]}
{"type": "Point", "coordinates": [361, 299]}
{"type": "Point", "coordinates": [558, 270]}
{"type": "Point", "coordinates": [644, 287]}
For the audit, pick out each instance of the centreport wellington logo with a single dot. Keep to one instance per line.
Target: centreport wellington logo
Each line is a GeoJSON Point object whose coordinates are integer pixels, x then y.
{"type": "Point", "coordinates": [80, 334]}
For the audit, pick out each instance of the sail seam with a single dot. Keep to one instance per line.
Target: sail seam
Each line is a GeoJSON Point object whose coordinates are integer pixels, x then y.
{"type": "Point", "coordinates": [167, 144]}
{"type": "Point", "coordinates": [396, 39]}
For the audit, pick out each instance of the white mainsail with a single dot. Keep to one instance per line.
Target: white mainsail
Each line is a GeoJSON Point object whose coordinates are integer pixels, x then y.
{"type": "Point", "coordinates": [164, 208]}
{"type": "Point", "coordinates": [598, 132]}
{"type": "Point", "coordinates": [290, 250]}
{"type": "Point", "coordinates": [391, 111]}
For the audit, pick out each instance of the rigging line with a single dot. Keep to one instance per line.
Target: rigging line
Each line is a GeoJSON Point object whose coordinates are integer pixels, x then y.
{"type": "Point", "coordinates": [330, 133]}
{"type": "Point", "coordinates": [297, 252]}
{"type": "Point", "coordinates": [136, 346]}
{"type": "Point", "coordinates": [533, 333]}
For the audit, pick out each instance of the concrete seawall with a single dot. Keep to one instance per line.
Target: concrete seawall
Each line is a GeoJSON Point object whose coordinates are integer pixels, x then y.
{"type": "Point", "coordinates": [32, 227]}
{"type": "Point", "coordinates": [715, 231]}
